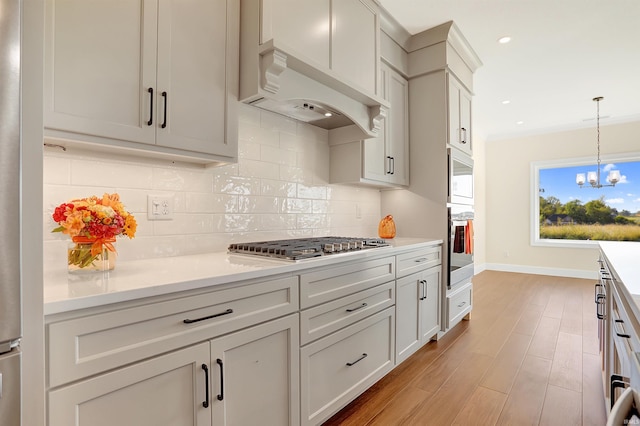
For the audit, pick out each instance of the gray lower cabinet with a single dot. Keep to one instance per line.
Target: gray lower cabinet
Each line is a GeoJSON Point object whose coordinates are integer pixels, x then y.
{"type": "Point", "coordinates": [245, 378]}
{"type": "Point", "coordinates": [255, 375]}
{"type": "Point", "coordinates": [339, 367]}
{"type": "Point", "coordinates": [165, 390]}
{"type": "Point", "coordinates": [417, 311]}
{"type": "Point", "coordinates": [289, 350]}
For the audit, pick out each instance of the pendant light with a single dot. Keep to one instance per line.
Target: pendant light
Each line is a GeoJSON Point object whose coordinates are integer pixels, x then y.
{"type": "Point", "coordinates": [594, 177]}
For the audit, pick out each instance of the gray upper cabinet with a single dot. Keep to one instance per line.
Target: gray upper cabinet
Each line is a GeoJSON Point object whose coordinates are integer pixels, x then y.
{"type": "Point", "coordinates": [459, 116]}
{"type": "Point", "coordinates": [154, 77]}
{"type": "Point", "coordinates": [382, 161]}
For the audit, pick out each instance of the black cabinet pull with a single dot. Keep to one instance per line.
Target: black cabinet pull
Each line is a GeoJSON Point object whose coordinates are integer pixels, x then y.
{"type": "Point", "coordinates": [393, 165]}
{"type": "Point", "coordinates": [389, 165]}
{"type": "Point", "coordinates": [600, 306]}
{"type": "Point", "coordinates": [221, 394]}
{"type": "Point", "coordinates": [423, 283]}
{"type": "Point", "coordinates": [164, 122]}
{"type": "Point", "coordinates": [205, 367]}
{"type": "Point", "coordinates": [464, 135]}
{"type": "Point", "coordinates": [356, 308]}
{"type": "Point", "coordinates": [191, 321]}
{"type": "Point", "coordinates": [617, 381]}
{"type": "Point", "coordinates": [150, 122]}
{"type": "Point", "coordinates": [625, 335]}
{"type": "Point", "coordinates": [349, 364]}
{"type": "Point", "coordinates": [597, 292]}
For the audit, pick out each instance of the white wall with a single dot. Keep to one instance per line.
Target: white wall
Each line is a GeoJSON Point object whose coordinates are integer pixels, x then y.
{"type": "Point", "coordinates": [278, 189]}
{"type": "Point", "coordinates": [508, 200]}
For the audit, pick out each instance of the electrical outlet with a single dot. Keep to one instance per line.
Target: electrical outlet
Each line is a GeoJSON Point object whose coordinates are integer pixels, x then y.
{"type": "Point", "coordinates": [160, 207]}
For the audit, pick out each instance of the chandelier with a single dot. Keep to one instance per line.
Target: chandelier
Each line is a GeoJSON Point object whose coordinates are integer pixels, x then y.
{"type": "Point", "coordinates": [594, 177]}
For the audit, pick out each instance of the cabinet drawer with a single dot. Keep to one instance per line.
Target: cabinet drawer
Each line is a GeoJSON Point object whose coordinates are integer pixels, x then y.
{"type": "Point", "coordinates": [85, 346]}
{"type": "Point", "coordinates": [459, 303]}
{"type": "Point", "coordinates": [344, 279]}
{"type": "Point", "coordinates": [418, 260]}
{"type": "Point", "coordinates": [339, 367]}
{"type": "Point", "coordinates": [321, 320]}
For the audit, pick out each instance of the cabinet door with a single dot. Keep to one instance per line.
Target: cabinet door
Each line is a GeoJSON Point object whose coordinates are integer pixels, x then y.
{"type": "Point", "coordinates": [459, 116]}
{"type": "Point", "coordinates": [307, 33]}
{"type": "Point", "coordinates": [168, 390]}
{"type": "Point", "coordinates": [354, 53]}
{"type": "Point", "coordinates": [255, 375]}
{"type": "Point", "coordinates": [100, 61]}
{"type": "Point", "coordinates": [397, 130]}
{"type": "Point", "coordinates": [375, 163]}
{"type": "Point", "coordinates": [191, 84]}
{"type": "Point", "coordinates": [408, 335]}
{"type": "Point", "coordinates": [430, 304]}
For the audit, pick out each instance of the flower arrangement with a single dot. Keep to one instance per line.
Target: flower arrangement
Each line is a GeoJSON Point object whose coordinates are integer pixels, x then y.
{"type": "Point", "coordinates": [95, 221]}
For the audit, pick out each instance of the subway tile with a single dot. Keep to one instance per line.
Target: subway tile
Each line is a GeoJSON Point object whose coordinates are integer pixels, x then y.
{"type": "Point", "coordinates": [249, 150]}
{"type": "Point", "coordinates": [97, 173]}
{"type": "Point", "coordinates": [295, 205]}
{"type": "Point", "coordinates": [185, 223]}
{"type": "Point", "coordinates": [278, 188]}
{"type": "Point", "coordinates": [277, 123]}
{"type": "Point", "coordinates": [278, 221]}
{"type": "Point", "coordinates": [211, 203]}
{"type": "Point", "coordinates": [237, 185]}
{"type": "Point", "coordinates": [276, 155]}
{"type": "Point", "coordinates": [257, 205]}
{"type": "Point", "coordinates": [259, 169]}
{"type": "Point", "coordinates": [259, 135]}
{"type": "Point", "coordinates": [292, 174]}
{"type": "Point", "coordinates": [313, 192]}
{"type": "Point", "coordinates": [182, 179]}
{"type": "Point", "coordinates": [311, 221]}
{"type": "Point", "coordinates": [56, 170]}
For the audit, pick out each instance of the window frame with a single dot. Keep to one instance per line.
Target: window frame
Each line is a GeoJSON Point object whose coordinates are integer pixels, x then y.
{"type": "Point", "coordinates": [535, 167]}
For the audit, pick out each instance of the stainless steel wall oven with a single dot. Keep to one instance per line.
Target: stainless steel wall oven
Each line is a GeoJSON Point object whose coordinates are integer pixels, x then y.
{"type": "Point", "coordinates": [460, 242]}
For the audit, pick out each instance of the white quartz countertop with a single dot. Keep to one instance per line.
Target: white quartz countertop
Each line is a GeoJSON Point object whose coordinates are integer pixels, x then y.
{"type": "Point", "coordinates": [623, 259]}
{"type": "Point", "coordinates": [133, 280]}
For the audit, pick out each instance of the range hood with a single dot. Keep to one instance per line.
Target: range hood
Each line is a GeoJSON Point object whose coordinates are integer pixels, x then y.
{"type": "Point", "coordinates": [274, 79]}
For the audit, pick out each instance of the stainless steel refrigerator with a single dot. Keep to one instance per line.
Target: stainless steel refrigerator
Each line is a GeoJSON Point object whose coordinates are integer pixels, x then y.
{"type": "Point", "coordinates": [10, 277]}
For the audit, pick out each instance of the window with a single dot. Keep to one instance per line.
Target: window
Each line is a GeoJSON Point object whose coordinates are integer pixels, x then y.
{"type": "Point", "coordinates": [564, 214]}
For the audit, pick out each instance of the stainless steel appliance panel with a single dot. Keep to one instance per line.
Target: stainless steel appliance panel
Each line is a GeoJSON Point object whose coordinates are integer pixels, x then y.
{"type": "Point", "coordinates": [10, 303]}
{"type": "Point", "coordinates": [460, 243]}
{"type": "Point", "coordinates": [10, 329]}
{"type": "Point", "coordinates": [10, 389]}
{"type": "Point", "coordinates": [460, 185]}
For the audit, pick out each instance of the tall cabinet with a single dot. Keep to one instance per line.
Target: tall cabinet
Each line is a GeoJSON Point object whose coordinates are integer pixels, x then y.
{"type": "Point", "coordinates": [440, 65]}
{"type": "Point", "coordinates": [153, 77]}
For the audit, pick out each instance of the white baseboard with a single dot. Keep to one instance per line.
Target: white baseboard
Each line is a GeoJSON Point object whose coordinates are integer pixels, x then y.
{"type": "Point", "coordinates": [537, 270]}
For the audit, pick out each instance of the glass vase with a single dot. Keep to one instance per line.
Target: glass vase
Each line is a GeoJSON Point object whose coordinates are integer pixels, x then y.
{"type": "Point", "coordinates": [80, 259]}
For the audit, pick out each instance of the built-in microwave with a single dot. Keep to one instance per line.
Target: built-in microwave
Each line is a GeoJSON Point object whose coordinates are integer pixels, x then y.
{"type": "Point", "coordinates": [460, 188]}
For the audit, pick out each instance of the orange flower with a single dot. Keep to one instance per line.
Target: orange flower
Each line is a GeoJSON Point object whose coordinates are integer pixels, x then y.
{"type": "Point", "coordinates": [74, 223]}
{"type": "Point", "coordinates": [130, 226]}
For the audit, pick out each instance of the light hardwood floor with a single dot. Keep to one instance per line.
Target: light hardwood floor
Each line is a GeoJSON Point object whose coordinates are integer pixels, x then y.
{"type": "Point", "coordinates": [528, 356]}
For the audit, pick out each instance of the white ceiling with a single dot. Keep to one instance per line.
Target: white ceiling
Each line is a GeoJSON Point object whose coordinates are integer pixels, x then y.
{"type": "Point", "coordinates": [563, 53]}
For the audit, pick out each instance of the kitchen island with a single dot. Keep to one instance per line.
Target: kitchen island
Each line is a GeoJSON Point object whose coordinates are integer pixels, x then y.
{"type": "Point", "coordinates": [206, 336]}
{"type": "Point", "coordinates": [618, 310]}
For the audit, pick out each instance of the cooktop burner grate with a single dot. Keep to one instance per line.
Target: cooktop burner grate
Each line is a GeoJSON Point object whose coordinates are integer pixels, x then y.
{"type": "Point", "coordinates": [305, 248]}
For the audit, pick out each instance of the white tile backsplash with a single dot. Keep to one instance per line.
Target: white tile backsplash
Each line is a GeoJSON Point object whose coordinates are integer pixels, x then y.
{"type": "Point", "coordinates": [278, 189]}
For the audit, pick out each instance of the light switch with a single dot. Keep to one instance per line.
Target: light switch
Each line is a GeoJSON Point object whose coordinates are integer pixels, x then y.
{"type": "Point", "coordinates": [160, 207]}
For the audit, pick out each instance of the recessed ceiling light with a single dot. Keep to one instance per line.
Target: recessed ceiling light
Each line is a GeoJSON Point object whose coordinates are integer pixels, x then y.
{"type": "Point", "coordinates": [327, 114]}
{"type": "Point", "coordinates": [506, 102]}
{"type": "Point", "coordinates": [519, 122]}
{"type": "Point", "coordinates": [504, 40]}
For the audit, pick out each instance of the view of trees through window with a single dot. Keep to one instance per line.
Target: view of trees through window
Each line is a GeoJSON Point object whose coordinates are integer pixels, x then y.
{"type": "Point", "coordinates": [569, 212]}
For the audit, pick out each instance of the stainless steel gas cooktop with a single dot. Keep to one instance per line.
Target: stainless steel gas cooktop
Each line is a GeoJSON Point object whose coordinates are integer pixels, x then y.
{"type": "Point", "coordinates": [305, 248]}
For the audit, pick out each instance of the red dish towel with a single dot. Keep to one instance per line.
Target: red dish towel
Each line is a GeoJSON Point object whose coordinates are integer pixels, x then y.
{"type": "Point", "coordinates": [468, 237]}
